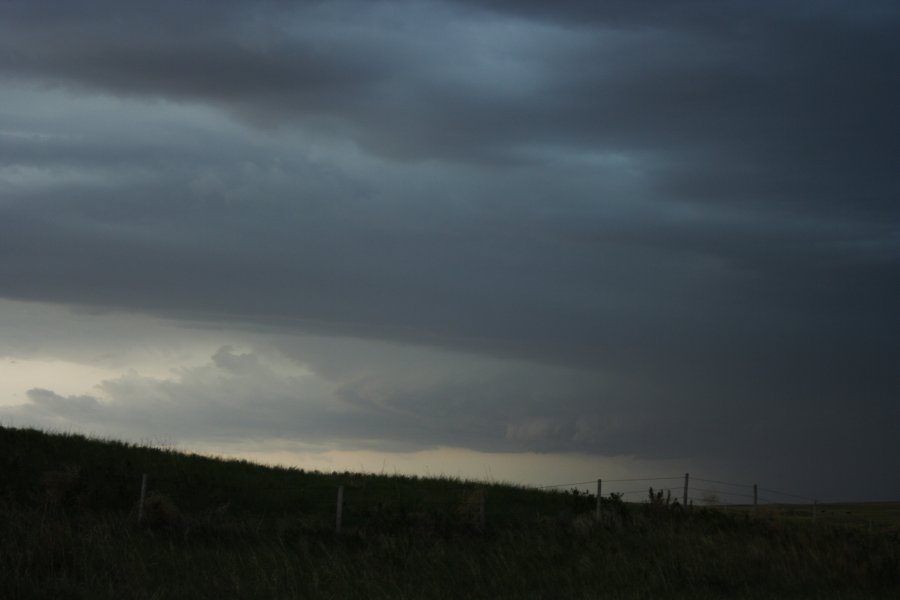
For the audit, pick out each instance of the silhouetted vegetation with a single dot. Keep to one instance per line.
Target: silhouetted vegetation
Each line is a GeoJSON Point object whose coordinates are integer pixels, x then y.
{"type": "Point", "coordinates": [231, 529]}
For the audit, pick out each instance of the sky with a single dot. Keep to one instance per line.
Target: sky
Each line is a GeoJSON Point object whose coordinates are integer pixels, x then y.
{"type": "Point", "coordinates": [536, 242]}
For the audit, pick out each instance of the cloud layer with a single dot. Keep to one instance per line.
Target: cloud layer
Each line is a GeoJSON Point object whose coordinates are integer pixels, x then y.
{"type": "Point", "coordinates": [678, 224]}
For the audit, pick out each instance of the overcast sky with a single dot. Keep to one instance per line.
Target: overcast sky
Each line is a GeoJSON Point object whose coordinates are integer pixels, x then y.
{"type": "Point", "coordinates": [520, 240]}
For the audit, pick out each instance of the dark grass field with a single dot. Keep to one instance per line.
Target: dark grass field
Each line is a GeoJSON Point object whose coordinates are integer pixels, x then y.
{"type": "Point", "coordinates": [231, 529]}
{"type": "Point", "coordinates": [873, 517]}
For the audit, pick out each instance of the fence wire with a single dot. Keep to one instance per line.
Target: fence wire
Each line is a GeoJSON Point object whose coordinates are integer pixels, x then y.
{"type": "Point", "coordinates": [195, 481]}
{"type": "Point", "coordinates": [743, 485]}
{"type": "Point", "coordinates": [721, 492]}
{"type": "Point", "coordinates": [642, 479]}
{"type": "Point", "coordinates": [314, 494]}
{"type": "Point", "coordinates": [559, 485]}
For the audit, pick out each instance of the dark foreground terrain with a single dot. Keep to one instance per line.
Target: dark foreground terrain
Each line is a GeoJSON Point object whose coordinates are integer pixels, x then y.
{"type": "Point", "coordinates": [227, 529]}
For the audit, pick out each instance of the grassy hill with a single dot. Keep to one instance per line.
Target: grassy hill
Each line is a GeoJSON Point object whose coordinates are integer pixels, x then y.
{"type": "Point", "coordinates": [231, 529]}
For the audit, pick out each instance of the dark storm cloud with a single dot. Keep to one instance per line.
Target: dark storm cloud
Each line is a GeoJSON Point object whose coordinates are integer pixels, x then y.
{"type": "Point", "coordinates": [696, 201]}
{"type": "Point", "coordinates": [702, 77]}
{"type": "Point", "coordinates": [780, 103]}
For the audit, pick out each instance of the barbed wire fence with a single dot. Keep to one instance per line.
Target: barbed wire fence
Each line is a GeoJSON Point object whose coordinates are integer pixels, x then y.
{"type": "Point", "coordinates": [356, 498]}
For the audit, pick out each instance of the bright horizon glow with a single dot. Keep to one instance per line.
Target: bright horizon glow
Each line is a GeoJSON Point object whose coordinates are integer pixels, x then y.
{"type": "Point", "coordinates": [18, 375]}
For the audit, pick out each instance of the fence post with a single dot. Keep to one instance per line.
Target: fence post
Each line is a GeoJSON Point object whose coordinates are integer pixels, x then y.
{"type": "Point", "coordinates": [340, 509]}
{"type": "Point", "coordinates": [599, 494]}
{"type": "Point", "coordinates": [686, 478]}
{"type": "Point", "coordinates": [755, 497]}
{"type": "Point", "coordinates": [815, 503]}
{"type": "Point", "coordinates": [140, 518]}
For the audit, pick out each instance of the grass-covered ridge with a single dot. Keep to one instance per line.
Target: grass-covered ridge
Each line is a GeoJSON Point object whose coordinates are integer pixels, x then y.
{"type": "Point", "coordinates": [232, 529]}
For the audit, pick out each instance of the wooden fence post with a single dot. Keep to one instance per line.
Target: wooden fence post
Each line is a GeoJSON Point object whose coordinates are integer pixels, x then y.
{"type": "Point", "coordinates": [686, 478]}
{"type": "Point", "coordinates": [340, 509]}
{"type": "Point", "coordinates": [140, 517]}
{"type": "Point", "coordinates": [599, 494]}
{"type": "Point", "coordinates": [755, 497]}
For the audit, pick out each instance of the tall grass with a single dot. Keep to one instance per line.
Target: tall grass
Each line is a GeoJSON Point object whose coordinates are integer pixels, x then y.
{"type": "Point", "coordinates": [74, 535]}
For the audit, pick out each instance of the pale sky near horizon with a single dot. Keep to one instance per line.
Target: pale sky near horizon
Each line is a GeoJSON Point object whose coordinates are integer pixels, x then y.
{"type": "Point", "coordinates": [525, 241]}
